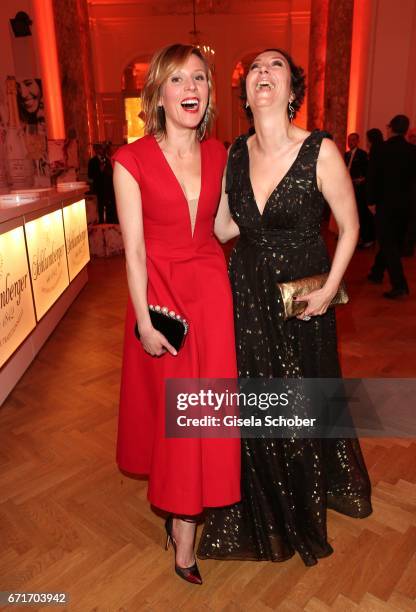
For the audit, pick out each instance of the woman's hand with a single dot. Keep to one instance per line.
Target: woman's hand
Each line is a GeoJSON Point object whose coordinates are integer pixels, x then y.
{"type": "Point", "coordinates": [155, 343]}
{"type": "Point", "coordinates": [318, 302]}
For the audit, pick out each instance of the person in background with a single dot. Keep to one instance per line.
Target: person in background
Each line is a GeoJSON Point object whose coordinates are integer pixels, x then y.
{"type": "Point", "coordinates": [374, 141]}
{"type": "Point", "coordinates": [357, 163]}
{"type": "Point", "coordinates": [100, 173]}
{"type": "Point", "coordinates": [410, 238]}
{"type": "Point", "coordinates": [411, 136]}
{"type": "Point", "coordinates": [392, 177]}
{"type": "Point", "coordinates": [95, 177]}
{"type": "Point", "coordinates": [110, 203]}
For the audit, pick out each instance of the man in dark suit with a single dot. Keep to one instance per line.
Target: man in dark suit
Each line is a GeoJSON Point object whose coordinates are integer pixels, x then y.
{"type": "Point", "coordinates": [410, 239]}
{"type": "Point", "coordinates": [357, 164]}
{"type": "Point", "coordinates": [392, 177]}
{"type": "Point", "coordinates": [100, 174]}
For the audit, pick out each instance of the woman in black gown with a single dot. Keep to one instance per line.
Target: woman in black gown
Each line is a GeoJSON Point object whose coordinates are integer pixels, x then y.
{"type": "Point", "coordinates": [277, 182]}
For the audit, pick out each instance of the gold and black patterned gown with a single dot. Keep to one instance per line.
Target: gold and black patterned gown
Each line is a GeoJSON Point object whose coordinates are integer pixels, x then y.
{"type": "Point", "coordinates": [287, 484]}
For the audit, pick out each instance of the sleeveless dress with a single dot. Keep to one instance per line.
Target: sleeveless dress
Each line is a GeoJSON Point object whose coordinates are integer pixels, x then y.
{"type": "Point", "coordinates": [287, 484]}
{"type": "Point", "coordinates": [187, 273]}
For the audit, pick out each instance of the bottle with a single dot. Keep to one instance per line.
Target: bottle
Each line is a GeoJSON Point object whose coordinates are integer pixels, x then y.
{"type": "Point", "coordinates": [19, 165]}
{"type": "Point", "coordinates": [4, 187]}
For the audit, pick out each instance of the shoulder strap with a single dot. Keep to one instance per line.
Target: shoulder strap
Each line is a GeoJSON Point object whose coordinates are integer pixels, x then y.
{"type": "Point", "coordinates": [313, 145]}
{"type": "Point", "coordinates": [233, 156]}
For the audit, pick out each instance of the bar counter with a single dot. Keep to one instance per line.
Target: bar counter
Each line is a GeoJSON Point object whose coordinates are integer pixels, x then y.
{"type": "Point", "coordinates": [43, 267]}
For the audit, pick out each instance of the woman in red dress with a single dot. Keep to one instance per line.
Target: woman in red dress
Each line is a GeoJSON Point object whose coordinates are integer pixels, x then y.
{"type": "Point", "coordinates": [168, 185]}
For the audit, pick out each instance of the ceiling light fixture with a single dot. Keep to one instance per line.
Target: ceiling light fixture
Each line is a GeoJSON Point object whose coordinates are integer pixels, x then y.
{"type": "Point", "coordinates": [206, 49]}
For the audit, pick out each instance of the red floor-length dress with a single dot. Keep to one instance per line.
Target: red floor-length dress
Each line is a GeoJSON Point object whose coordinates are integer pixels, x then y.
{"type": "Point", "coordinates": [187, 273]}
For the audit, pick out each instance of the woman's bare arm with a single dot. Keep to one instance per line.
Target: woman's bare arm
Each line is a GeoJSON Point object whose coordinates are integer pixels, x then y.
{"type": "Point", "coordinates": [129, 209]}
{"type": "Point", "coordinates": [335, 184]}
{"type": "Point", "coordinates": [224, 227]}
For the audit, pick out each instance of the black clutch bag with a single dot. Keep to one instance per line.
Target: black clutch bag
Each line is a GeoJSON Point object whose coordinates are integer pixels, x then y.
{"type": "Point", "coordinates": [168, 323]}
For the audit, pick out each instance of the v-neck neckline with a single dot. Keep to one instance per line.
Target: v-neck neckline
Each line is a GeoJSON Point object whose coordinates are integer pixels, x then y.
{"type": "Point", "coordinates": [175, 179]}
{"type": "Point", "coordinates": [282, 180]}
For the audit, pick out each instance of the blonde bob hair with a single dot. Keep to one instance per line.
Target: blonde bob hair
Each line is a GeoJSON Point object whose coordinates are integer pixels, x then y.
{"type": "Point", "coordinates": [164, 63]}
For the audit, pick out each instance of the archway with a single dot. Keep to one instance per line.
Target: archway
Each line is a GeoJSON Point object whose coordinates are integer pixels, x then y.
{"type": "Point", "coordinates": [132, 84]}
{"type": "Point", "coordinates": [240, 123]}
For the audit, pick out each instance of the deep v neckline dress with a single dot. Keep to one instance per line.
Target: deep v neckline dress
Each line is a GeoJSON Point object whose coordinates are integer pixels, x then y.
{"type": "Point", "coordinates": [287, 484]}
{"type": "Point", "coordinates": [187, 273]}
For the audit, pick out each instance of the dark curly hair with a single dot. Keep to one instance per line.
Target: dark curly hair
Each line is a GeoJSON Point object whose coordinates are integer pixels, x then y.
{"type": "Point", "coordinates": [297, 84]}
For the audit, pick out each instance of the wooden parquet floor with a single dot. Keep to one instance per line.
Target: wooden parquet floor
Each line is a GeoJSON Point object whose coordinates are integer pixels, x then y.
{"type": "Point", "coordinates": [71, 522]}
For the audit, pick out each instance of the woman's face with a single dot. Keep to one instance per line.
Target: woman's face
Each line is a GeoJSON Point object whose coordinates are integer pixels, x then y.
{"type": "Point", "coordinates": [30, 94]}
{"type": "Point", "coordinates": [184, 94]}
{"type": "Point", "coordinates": [268, 81]}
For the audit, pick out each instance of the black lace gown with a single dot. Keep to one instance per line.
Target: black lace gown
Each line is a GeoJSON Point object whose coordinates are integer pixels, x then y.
{"type": "Point", "coordinates": [287, 484]}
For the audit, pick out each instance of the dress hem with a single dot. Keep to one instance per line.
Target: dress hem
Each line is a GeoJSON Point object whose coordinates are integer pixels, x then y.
{"type": "Point", "coordinates": [273, 560]}
{"type": "Point", "coordinates": [176, 510]}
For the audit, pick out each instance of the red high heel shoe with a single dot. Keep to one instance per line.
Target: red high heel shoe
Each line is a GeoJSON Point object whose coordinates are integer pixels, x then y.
{"type": "Point", "coordinates": [190, 574]}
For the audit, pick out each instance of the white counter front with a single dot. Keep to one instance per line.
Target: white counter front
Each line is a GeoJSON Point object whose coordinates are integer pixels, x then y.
{"type": "Point", "coordinates": [43, 257]}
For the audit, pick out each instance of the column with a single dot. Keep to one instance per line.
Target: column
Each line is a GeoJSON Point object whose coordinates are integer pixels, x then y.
{"type": "Point", "coordinates": [299, 49]}
{"type": "Point", "coordinates": [360, 66]}
{"type": "Point", "coordinates": [337, 68]}
{"type": "Point", "coordinates": [44, 32]}
{"type": "Point", "coordinates": [74, 52]}
{"type": "Point", "coordinates": [317, 61]}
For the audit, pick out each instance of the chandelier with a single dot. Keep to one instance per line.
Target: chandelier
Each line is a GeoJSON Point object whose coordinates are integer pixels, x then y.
{"type": "Point", "coordinates": [206, 49]}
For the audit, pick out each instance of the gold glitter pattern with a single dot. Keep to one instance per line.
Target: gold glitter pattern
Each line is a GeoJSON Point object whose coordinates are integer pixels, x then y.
{"type": "Point", "coordinates": [287, 484]}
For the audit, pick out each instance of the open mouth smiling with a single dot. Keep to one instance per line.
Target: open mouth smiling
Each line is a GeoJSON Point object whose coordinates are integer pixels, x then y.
{"type": "Point", "coordinates": [190, 105]}
{"type": "Point", "coordinates": [265, 85]}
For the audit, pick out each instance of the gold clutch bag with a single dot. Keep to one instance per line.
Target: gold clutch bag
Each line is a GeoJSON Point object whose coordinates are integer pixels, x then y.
{"type": "Point", "coordinates": [302, 286]}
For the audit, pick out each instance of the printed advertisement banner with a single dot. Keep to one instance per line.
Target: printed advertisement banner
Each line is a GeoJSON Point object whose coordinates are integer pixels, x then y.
{"type": "Point", "coordinates": [76, 236]}
{"type": "Point", "coordinates": [47, 259]}
{"type": "Point", "coordinates": [17, 315]}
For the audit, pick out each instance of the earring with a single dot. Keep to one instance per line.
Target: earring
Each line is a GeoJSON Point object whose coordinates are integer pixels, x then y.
{"type": "Point", "coordinates": [247, 104]}
{"type": "Point", "coordinates": [291, 111]}
{"type": "Point", "coordinates": [203, 127]}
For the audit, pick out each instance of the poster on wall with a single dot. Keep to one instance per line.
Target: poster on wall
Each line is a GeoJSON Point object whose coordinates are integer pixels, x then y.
{"type": "Point", "coordinates": [23, 141]}
{"type": "Point", "coordinates": [32, 118]}
{"type": "Point", "coordinates": [47, 259]}
{"type": "Point", "coordinates": [76, 237]}
{"type": "Point", "coordinates": [63, 160]}
{"type": "Point", "coordinates": [17, 315]}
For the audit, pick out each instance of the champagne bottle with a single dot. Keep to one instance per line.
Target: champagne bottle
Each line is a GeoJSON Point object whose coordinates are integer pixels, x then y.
{"type": "Point", "coordinates": [19, 165]}
{"type": "Point", "coordinates": [3, 130]}
{"type": "Point", "coordinates": [4, 186]}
